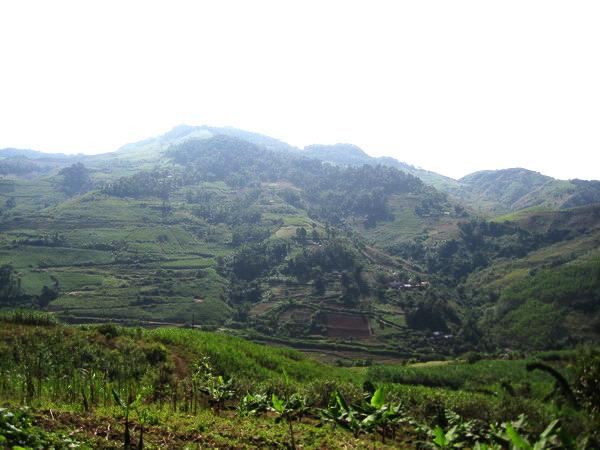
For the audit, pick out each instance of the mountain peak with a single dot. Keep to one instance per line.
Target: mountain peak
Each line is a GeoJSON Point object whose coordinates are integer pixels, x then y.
{"type": "Point", "coordinates": [511, 171]}
{"type": "Point", "coordinates": [347, 150]}
{"type": "Point", "coordinates": [343, 154]}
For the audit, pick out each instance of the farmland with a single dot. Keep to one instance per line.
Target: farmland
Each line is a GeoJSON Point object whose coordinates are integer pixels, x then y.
{"type": "Point", "coordinates": [164, 370]}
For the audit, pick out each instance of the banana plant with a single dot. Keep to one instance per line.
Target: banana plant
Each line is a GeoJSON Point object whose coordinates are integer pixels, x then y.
{"type": "Point", "coordinates": [216, 387]}
{"type": "Point", "coordinates": [366, 417]}
{"type": "Point", "coordinates": [383, 418]}
{"type": "Point", "coordinates": [509, 435]}
{"type": "Point", "coordinates": [462, 433]}
{"type": "Point", "coordinates": [142, 413]}
{"type": "Point", "coordinates": [253, 404]}
{"type": "Point", "coordinates": [550, 438]}
{"type": "Point", "coordinates": [219, 390]}
{"type": "Point", "coordinates": [125, 409]}
{"type": "Point", "coordinates": [289, 409]}
{"type": "Point", "coordinates": [339, 413]}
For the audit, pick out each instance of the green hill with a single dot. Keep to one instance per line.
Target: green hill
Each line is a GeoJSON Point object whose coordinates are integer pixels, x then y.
{"type": "Point", "coordinates": [488, 192]}
{"type": "Point", "coordinates": [501, 191]}
{"type": "Point", "coordinates": [216, 230]}
{"type": "Point", "coordinates": [351, 155]}
{"type": "Point", "coordinates": [204, 239]}
{"type": "Point", "coordinates": [550, 295]}
{"type": "Point", "coordinates": [219, 227]}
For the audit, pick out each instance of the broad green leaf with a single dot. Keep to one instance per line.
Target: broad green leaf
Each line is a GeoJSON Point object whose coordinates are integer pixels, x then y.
{"type": "Point", "coordinates": [516, 438]}
{"type": "Point", "coordinates": [378, 398]}
{"type": "Point", "coordinates": [369, 420]}
{"type": "Point", "coordinates": [440, 437]}
{"type": "Point", "coordinates": [277, 404]}
{"type": "Point", "coordinates": [550, 429]}
{"type": "Point", "coordinates": [547, 434]}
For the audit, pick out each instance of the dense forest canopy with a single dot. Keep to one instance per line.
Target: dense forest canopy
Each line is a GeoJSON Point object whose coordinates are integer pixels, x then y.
{"type": "Point", "coordinates": [334, 192]}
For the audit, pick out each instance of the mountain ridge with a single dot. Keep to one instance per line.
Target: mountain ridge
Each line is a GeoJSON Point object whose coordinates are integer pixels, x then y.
{"type": "Point", "coordinates": [487, 192]}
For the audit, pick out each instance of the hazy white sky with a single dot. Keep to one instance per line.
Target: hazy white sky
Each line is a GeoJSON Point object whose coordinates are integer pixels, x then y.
{"type": "Point", "coordinates": [452, 86]}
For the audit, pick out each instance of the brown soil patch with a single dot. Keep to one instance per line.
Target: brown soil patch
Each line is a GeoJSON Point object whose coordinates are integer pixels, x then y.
{"type": "Point", "coordinates": [347, 326]}
{"type": "Point", "coordinates": [261, 308]}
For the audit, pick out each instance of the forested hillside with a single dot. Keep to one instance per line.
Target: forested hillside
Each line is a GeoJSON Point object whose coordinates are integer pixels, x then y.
{"type": "Point", "coordinates": [515, 189]}
{"type": "Point", "coordinates": [488, 192]}
{"type": "Point", "coordinates": [325, 249]}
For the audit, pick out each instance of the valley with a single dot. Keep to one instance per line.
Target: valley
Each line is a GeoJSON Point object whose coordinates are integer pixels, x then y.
{"type": "Point", "coordinates": [371, 269]}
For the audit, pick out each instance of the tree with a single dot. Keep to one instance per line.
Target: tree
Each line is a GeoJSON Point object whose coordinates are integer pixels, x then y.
{"type": "Point", "coordinates": [320, 283]}
{"type": "Point", "coordinates": [301, 234]}
{"type": "Point", "coordinates": [10, 285]}
{"type": "Point", "coordinates": [289, 409]}
{"type": "Point", "coordinates": [75, 179]}
{"type": "Point", "coordinates": [315, 235]}
{"type": "Point", "coordinates": [46, 296]}
{"type": "Point", "coordinates": [350, 289]}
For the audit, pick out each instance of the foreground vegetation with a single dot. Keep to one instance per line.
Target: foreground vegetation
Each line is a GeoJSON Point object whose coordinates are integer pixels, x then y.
{"type": "Point", "coordinates": [106, 386]}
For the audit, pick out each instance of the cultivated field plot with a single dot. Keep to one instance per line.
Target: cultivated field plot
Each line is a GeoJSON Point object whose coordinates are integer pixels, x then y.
{"type": "Point", "coordinates": [297, 314]}
{"type": "Point", "coordinates": [347, 326]}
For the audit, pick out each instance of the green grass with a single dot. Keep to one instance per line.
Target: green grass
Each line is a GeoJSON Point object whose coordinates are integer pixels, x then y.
{"type": "Point", "coordinates": [251, 362]}
{"type": "Point", "coordinates": [482, 375]}
{"type": "Point", "coordinates": [30, 256]}
{"type": "Point", "coordinates": [31, 195]}
{"type": "Point", "coordinates": [549, 306]}
{"type": "Point", "coordinates": [521, 214]}
{"type": "Point", "coordinates": [406, 225]}
{"type": "Point", "coordinates": [113, 251]}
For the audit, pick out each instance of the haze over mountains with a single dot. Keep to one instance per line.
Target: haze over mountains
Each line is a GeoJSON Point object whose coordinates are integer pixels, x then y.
{"type": "Point", "coordinates": [486, 191]}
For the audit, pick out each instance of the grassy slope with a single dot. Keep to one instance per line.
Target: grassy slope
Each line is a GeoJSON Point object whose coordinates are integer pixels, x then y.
{"type": "Point", "coordinates": [508, 190]}
{"type": "Point", "coordinates": [581, 244]}
{"type": "Point", "coordinates": [120, 254]}
{"type": "Point", "coordinates": [124, 259]}
{"type": "Point", "coordinates": [253, 367]}
{"type": "Point", "coordinates": [406, 225]}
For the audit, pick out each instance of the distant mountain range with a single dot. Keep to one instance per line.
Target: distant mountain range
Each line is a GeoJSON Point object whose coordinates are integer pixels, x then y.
{"type": "Point", "coordinates": [487, 192]}
{"type": "Point", "coordinates": [31, 154]}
